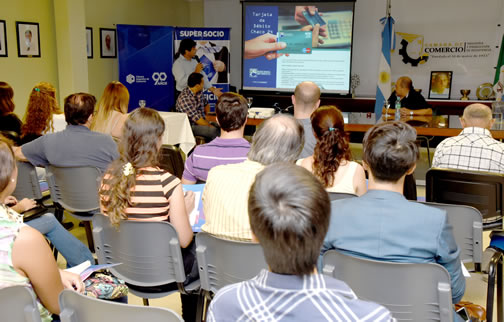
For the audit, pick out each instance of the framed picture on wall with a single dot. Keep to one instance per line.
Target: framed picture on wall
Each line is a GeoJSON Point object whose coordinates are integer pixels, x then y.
{"type": "Point", "coordinates": [28, 39]}
{"type": "Point", "coordinates": [89, 42]}
{"type": "Point", "coordinates": [108, 43]}
{"type": "Point", "coordinates": [3, 39]}
{"type": "Point", "coordinates": [440, 85]}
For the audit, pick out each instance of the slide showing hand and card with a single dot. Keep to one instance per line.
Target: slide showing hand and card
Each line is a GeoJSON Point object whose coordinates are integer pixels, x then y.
{"type": "Point", "coordinates": [196, 217]}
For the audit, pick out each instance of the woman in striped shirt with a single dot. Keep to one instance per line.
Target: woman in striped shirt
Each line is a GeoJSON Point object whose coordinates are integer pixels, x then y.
{"type": "Point", "coordinates": [135, 188]}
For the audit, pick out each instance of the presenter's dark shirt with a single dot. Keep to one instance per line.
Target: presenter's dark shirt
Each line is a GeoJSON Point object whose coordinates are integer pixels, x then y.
{"type": "Point", "coordinates": [414, 101]}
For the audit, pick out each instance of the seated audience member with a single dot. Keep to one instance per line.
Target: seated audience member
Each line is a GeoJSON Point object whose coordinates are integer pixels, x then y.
{"type": "Point", "coordinates": [111, 110]}
{"type": "Point", "coordinates": [38, 119]}
{"type": "Point", "coordinates": [135, 188]}
{"type": "Point", "coordinates": [412, 102]}
{"type": "Point", "coordinates": [26, 257]}
{"type": "Point", "coordinates": [77, 145]}
{"type": "Point", "coordinates": [289, 214]}
{"type": "Point", "coordinates": [279, 139]}
{"type": "Point", "coordinates": [9, 122]}
{"type": "Point", "coordinates": [330, 162]}
{"type": "Point", "coordinates": [192, 102]}
{"type": "Point", "coordinates": [230, 147]}
{"type": "Point", "coordinates": [474, 148]}
{"type": "Point", "coordinates": [382, 224]}
{"type": "Point", "coordinates": [306, 100]}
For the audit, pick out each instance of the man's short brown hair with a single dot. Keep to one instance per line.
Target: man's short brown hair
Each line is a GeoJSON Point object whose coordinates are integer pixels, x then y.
{"type": "Point", "coordinates": [231, 110]}
{"type": "Point", "coordinates": [78, 108]}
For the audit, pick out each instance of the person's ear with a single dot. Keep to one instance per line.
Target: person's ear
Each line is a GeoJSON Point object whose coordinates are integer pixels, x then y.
{"type": "Point", "coordinates": [317, 105]}
{"type": "Point", "coordinates": [365, 166]}
{"type": "Point", "coordinates": [411, 170]}
{"type": "Point", "coordinates": [490, 124]}
{"type": "Point", "coordinates": [254, 238]}
{"type": "Point", "coordinates": [462, 121]}
{"type": "Point", "coordinates": [293, 99]}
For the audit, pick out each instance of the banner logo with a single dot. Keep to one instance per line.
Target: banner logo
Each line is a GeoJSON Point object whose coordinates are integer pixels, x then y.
{"type": "Point", "coordinates": [130, 79]}
{"type": "Point", "coordinates": [159, 78]}
{"type": "Point", "coordinates": [412, 49]}
{"type": "Point", "coordinates": [254, 72]}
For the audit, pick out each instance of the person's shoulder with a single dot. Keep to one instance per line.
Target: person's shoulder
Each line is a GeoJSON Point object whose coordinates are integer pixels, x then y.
{"type": "Point", "coordinates": [427, 211]}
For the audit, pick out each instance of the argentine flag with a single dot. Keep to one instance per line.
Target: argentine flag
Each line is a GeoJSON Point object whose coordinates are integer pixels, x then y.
{"type": "Point", "coordinates": [383, 88]}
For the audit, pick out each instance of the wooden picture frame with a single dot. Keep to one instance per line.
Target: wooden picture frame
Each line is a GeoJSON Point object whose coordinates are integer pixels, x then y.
{"type": "Point", "coordinates": [28, 39]}
{"type": "Point", "coordinates": [3, 39]}
{"type": "Point", "coordinates": [440, 85]}
{"type": "Point", "coordinates": [108, 48]}
{"type": "Point", "coordinates": [89, 42]}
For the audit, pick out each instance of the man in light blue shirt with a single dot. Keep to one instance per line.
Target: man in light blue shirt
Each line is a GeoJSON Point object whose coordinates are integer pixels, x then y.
{"type": "Point", "coordinates": [289, 214]}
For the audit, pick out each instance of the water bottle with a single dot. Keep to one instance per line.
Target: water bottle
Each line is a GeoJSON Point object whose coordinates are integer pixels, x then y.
{"type": "Point", "coordinates": [397, 107]}
{"type": "Point", "coordinates": [497, 114]}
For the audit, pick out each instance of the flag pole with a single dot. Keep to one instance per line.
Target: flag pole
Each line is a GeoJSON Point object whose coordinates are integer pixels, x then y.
{"type": "Point", "coordinates": [388, 7]}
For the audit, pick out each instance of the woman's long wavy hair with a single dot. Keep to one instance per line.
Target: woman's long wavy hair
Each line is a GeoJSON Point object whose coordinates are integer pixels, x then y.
{"type": "Point", "coordinates": [139, 146]}
{"type": "Point", "coordinates": [115, 97]}
{"type": "Point", "coordinates": [332, 143]}
{"type": "Point", "coordinates": [6, 99]}
{"type": "Point", "coordinates": [42, 104]}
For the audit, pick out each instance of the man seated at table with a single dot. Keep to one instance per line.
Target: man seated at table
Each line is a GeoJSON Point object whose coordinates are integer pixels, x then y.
{"type": "Point", "coordinates": [192, 102]}
{"type": "Point", "coordinates": [382, 224]}
{"type": "Point", "coordinates": [278, 139]}
{"type": "Point", "coordinates": [474, 148]}
{"type": "Point", "coordinates": [306, 100]}
{"type": "Point", "coordinates": [230, 147]}
{"type": "Point", "coordinates": [289, 214]}
{"type": "Point", "coordinates": [412, 102]}
{"type": "Point", "coordinates": [77, 145]}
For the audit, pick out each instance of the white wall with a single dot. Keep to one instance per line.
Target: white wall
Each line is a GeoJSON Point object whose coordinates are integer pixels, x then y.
{"type": "Point", "coordinates": [411, 16]}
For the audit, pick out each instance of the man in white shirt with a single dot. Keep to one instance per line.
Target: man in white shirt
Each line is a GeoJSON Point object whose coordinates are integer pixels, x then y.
{"type": "Point", "coordinates": [474, 148]}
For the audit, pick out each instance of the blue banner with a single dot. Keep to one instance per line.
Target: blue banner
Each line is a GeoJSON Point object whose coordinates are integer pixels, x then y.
{"type": "Point", "coordinates": [212, 50]}
{"type": "Point", "coordinates": [145, 62]}
{"type": "Point", "coordinates": [260, 21]}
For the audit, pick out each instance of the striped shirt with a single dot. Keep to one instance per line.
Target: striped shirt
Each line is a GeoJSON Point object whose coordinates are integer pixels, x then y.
{"type": "Point", "coordinates": [225, 200]}
{"type": "Point", "coordinates": [473, 149]}
{"type": "Point", "coordinates": [276, 297]}
{"type": "Point", "coordinates": [150, 196]}
{"type": "Point", "coordinates": [217, 152]}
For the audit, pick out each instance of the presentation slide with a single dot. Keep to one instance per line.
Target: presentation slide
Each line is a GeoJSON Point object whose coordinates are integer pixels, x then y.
{"type": "Point", "coordinates": [287, 43]}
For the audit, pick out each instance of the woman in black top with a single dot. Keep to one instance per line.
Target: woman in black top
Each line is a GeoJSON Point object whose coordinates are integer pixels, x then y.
{"type": "Point", "coordinates": [10, 124]}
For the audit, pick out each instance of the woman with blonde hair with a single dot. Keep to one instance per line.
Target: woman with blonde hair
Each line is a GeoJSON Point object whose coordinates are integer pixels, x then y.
{"type": "Point", "coordinates": [10, 124]}
{"type": "Point", "coordinates": [331, 160]}
{"type": "Point", "coordinates": [111, 110]}
{"type": "Point", "coordinates": [38, 118]}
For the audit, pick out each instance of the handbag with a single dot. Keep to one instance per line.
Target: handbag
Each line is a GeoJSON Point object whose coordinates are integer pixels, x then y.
{"type": "Point", "coordinates": [105, 286]}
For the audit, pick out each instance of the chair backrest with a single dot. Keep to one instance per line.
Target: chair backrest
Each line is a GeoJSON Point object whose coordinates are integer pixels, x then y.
{"type": "Point", "coordinates": [222, 262]}
{"type": "Point", "coordinates": [467, 229]}
{"type": "Point", "coordinates": [17, 303]}
{"type": "Point", "coordinates": [76, 307]}
{"type": "Point", "coordinates": [481, 190]}
{"type": "Point", "coordinates": [413, 292]}
{"type": "Point", "coordinates": [27, 182]}
{"type": "Point", "coordinates": [149, 251]}
{"type": "Point", "coordinates": [340, 195]}
{"type": "Point", "coordinates": [74, 188]}
{"type": "Point", "coordinates": [171, 160]}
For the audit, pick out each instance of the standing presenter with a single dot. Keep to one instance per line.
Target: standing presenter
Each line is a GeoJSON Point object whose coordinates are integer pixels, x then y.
{"type": "Point", "coordinates": [186, 63]}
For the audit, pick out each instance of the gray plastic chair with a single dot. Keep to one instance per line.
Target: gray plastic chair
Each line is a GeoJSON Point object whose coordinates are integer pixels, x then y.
{"type": "Point", "coordinates": [413, 292]}
{"type": "Point", "coordinates": [17, 303]}
{"type": "Point", "coordinates": [340, 195]}
{"type": "Point", "coordinates": [27, 182]}
{"type": "Point", "coordinates": [75, 189]}
{"type": "Point", "coordinates": [467, 226]}
{"type": "Point", "coordinates": [150, 255]}
{"type": "Point", "coordinates": [76, 307]}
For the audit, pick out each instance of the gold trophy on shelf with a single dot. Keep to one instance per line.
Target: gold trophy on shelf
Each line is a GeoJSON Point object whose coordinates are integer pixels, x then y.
{"type": "Point", "coordinates": [465, 94]}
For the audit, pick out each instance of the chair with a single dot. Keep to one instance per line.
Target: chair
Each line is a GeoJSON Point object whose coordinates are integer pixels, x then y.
{"type": "Point", "coordinates": [481, 190]}
{"type": "Point", "coordinates": [76, 307]}
{"type": "Point", "coordinates": [17, 303]}
{"type": "Point", "coordinates": [150, 255]}
{"type": "Point", "coordinates": [414, 292]}
{"type": "Point", "coordinates": [222, 262]}
{"type": "Point", "coordinates": [467, 230]}
{"type": "Point", "coordinates": [171, 160]}
{"type": "Point", "coordinates": [75, 189]}
{"type": "Point", "coordinates": [27, 182]}
{"type": "Point", "coordinates": [340, 195]}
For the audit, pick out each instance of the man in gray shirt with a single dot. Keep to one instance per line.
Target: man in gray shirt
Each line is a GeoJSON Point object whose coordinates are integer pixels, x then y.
{"type": "Point", "coordinates": [306, 99]}
{"type": "Point", "coordinates": [77, 145]}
